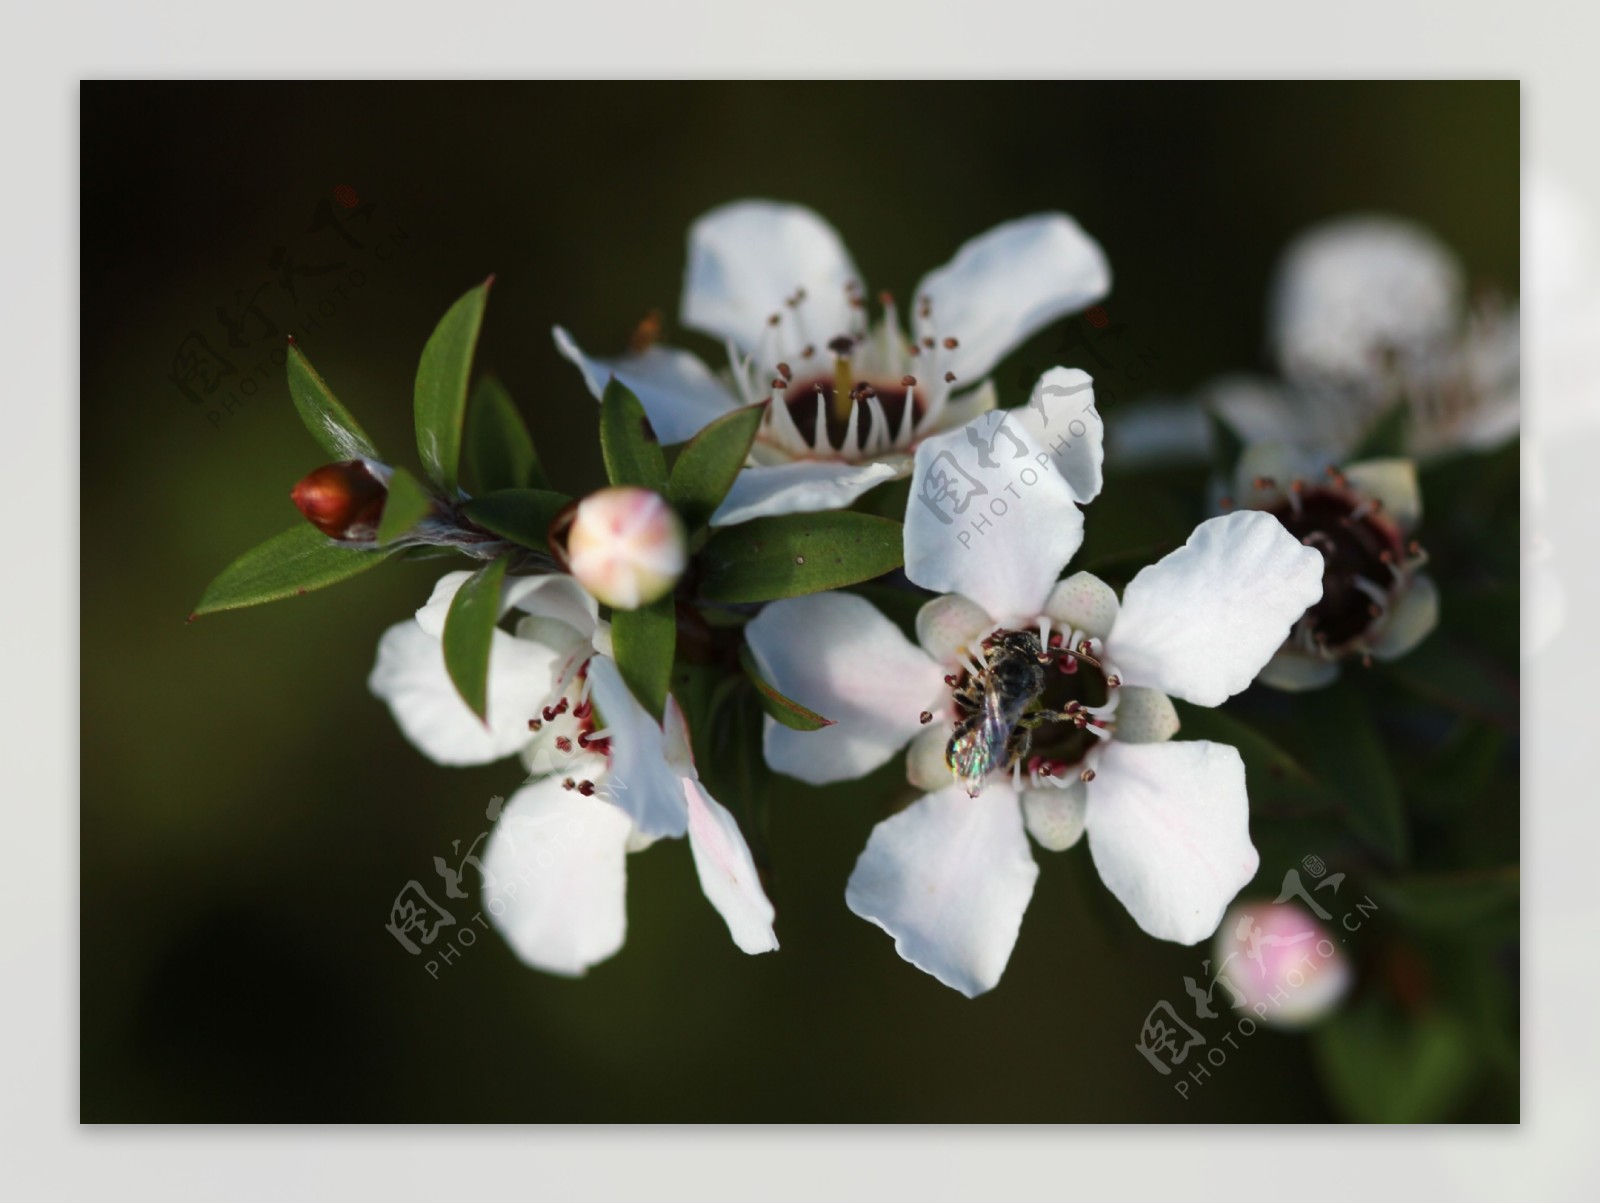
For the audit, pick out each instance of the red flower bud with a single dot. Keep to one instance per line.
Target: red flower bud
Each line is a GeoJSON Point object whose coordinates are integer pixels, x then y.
{"type": "Point", "coordinates": [343, 501]}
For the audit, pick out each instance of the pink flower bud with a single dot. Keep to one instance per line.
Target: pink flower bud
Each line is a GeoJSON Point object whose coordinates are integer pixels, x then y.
{"type": "Point", "coordinates": [343, 500]}
{"type": "Point", "coordinates": [1289, 967]}
{"type": "Point", "coordinates": [626, 546]}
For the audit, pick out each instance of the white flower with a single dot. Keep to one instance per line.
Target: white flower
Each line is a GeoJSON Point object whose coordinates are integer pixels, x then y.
{"type": "Point", "coordinates": [1376, 602]}
{"type": "Point", "coordinates": [847, 402]}
{"type": "Point", "coordinates": [626, 546]}
{"type": "Point", "coordinates": [950, 876]}
{"type": "Point", "coordinates": [1366, 312]}
{"type": "Point", "coordinates": [606, 779]}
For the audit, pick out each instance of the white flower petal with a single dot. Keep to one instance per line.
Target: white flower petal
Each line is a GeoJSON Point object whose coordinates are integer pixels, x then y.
{"type": "Point", "coordinates": [949, 878]}
{"type": "Point", "coordinates": [553, 596]}
{"type": "Point", "coordinates": [926, 767]}
{"type": "Point", "coordinates": [989, 517]}
{"type": "Point", "coordinates": [1055, 817]}
{"type": "Point", "coordinates": [411, 678]}
{"type": "Point", "coordinates": [948, 624]}
{"type": "Point", "coordinates": [1413, 615]}
{"type": "Point", "coordinates": [834, 653]}
{"type": "Point", "coordinates": [1061, 415]}
{"type": "Point", "coordinates": [1276, 466]}
{"type": "Point", "coordinates": [1145, 716]}
{"type": "Point", "coordinates": [1256, 410]}
{"type": "Point", "coordinates": [641, 782]}
{"type": "Point", "coordinates": [679, 393]}
{"type": "Point", "coordinates": [1008, 283]}
{"type": "Point", "coordinates": [556, 880]}
{"type": "Point", "coordinates": [747, 258]}
{"type": "Point", "coordinates": [1295, 671]}
{"type": "Point", "coordinates": [1393, 482]}
{"type": "Point", "coordinates": [1169, 830]}
{"type": "Point", "coordinates": [432, 613]}
{"type": "Point", "coordinates": [801, 487]}
{"type": "Point", "coordinates": [1084, 603]}
{"type": "Point", "coordinates": [728, 872]}
{"type": "Point", "coordinates": [962, 409]}
{"type": "Point", "coordinates": [1201, 622]}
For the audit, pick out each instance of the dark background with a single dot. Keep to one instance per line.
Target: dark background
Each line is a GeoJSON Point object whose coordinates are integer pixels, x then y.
{"type": "Point", "coordinates": [249, 811]}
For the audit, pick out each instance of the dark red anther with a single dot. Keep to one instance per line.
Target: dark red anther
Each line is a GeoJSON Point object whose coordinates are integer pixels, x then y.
{"type": "Point", "coordinates": [952, 680]}
{"type": "Point", "coordinates": [564, 743]}
{"type": "Point", "coordinates": [586, 788]}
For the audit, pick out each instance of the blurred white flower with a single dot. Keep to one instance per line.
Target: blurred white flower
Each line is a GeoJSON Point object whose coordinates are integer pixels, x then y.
{"type": "Point", "coordinates": [847, 401]}
{"type": "Point", "coordinates": [950, 876]}
{"type": "Point", "coordinates": [1366, 312]}
{"type": "Point", "coordinates": [605, 778]}
{"type": "Point", "coordinates": [626, 546]}
{"type": "Point", "coordinates": [1284, 965]}
{"type": "Point", "coordinates": [1376, 602]}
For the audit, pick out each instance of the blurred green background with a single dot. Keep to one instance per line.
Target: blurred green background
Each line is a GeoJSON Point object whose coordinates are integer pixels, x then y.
{"type": "Point", "coordinates": [249, 811]}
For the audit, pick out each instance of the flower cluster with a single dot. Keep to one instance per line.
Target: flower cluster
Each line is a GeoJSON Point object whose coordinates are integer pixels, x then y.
{"type": "Point", "coordinates": [602, 640]}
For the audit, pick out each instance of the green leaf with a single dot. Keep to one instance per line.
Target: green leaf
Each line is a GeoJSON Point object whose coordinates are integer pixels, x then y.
{"type": "Point", "coordinates": [643, 642]}
{"type": "Point", "coordinates": [330, 424]}
{"type": "Point", "coordinates": [469, 634]}
{"type": "Point", "coordinates": [1457, 676]}
{"type": "Point", "coordinates": [781, 707]}
{"type": "Point", "coordinates": [521, 515]}
{"type": "Point", "coordinates": [1348, 753]}
{"type": "Point", "coordinates": [632, 454]}
{"type": "Point", "coordinates": [1464, 899]}
{"type": "Point", "coordinates": [1382, 1067]}
{"type": "Point", "coordinates": [1226, 447]}
{"type": "Point", "coordinates": [500, 451]}
{"type": "Point", "coordinates": [708, 464]}
{"type": "Point", "coordinates": [792, 554]}
{"type": "Point", "coordinates": [298, 561]}
{"type": "Point", "coordinates": [441, 389]}
{"type": "Point", "coordinates": [408, 503]}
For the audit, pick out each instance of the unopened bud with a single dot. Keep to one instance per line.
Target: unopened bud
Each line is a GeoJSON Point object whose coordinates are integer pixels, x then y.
{"type": "Point", "coordinates": [1289, 968]}
{"type": "Point", "coordinates": [344, 500]}
{"type": "Point", "coordinates": [626, 546]}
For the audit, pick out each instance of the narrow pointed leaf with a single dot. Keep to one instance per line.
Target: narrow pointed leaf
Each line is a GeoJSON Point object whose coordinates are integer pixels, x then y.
{"type": "Point", "coordinates": [500, 451]}
{"type": "Point", "coordinates": [469, 634]}
{"type": "Point", "coordinates": [781, 707]}
{"type": "Point", "coordinates": [632, 454]}
{"type": "Point", "coordinates": [644, 642]}
{"type": "Point", "coordinates": [521, 515]}
{"type": "Point", "coordinates": [709, 462]}
{"type": "Point", "coordinates": [407, 505]}
{"type": "Point", "coordinates": [330, 424]}
{"type": "Point", "coordinates": [793, 554]}
{"type": "Point", "coordinates": [298, 561]}
{"type": "Point", "coordinates": [441, 389]}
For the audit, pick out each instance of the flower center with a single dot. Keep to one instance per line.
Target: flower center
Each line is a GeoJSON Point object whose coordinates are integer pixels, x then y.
{"type": "Point", "coordinates": [1026, 704]}
{"type": "Point", "coordinates": [1363, 554]}
{"type": "Point", "coordinates": [857, 394]}
{"type": "Point", "coordinates": [565, 729]}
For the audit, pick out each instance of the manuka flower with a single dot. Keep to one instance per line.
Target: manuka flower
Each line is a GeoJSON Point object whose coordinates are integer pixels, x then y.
{"type": "Point", "coordinates": [606, 779]}
{"type": "Point", "coordinates": [1376, 602]}
{"type": "Point", "coordinates": [1366, 313]}
{"type": "Point", "coordinates": [950, 876]}
{"type": "Point", "coordinates": [1280, 963]}
{"type": "Point", "coordinates": [847, 401]}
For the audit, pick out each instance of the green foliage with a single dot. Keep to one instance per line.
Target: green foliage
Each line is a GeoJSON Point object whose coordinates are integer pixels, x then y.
{"type": "Point", "coordinates": [500, 451]}
{"type": "Point", "coordinates": [707, 465]}
{"type": "Point", "coordinates": [330, 424]}
{"type": "Point", "coordinates": [1384, 1067]}
{"type": "Point", "coordinates": [441, 388]}
{"type": "Point", "coordinates": [781, 707]}
{"type": "Point", "coordinates": [408, 503]}
{"type": "Point", "coordinates": [469, 629]}
{"type": "Point", "coordinates": [632, 454]}
{"type": "Point", "coordinates": [793, 554]}
{"type": "Point", "coordinates": [298, 561]}
{"type": "Point", "coordinates": [644, 642]}
{"type": "Point", "coordinates": [521, 515]}
{"type": "Point", "coordinates": [1349, 754]}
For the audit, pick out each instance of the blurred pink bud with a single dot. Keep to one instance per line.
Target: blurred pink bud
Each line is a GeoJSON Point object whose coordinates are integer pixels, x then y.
{"type": "Point", "coordinates": [1287, 965]}
{"type": "Point", "coordinates": [344, 500]}
{"type": "Point", "coordinates": [626, 546]}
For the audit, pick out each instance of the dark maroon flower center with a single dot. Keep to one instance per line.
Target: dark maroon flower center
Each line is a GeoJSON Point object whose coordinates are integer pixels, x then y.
{"type": "Point", "coordinates": [1359, 546]}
